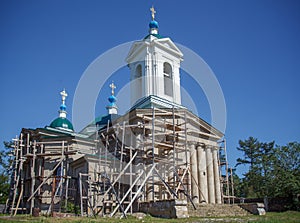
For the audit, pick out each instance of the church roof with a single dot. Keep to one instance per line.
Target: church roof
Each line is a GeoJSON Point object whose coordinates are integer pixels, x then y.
{"type": "Point", "coordinates": [62, 123]}
{"type": "Point", "coordinates": [156, 102]}
{"type": "Point", "coordinates": [155, 35]}
{"type": "Point", "coordinates": [99, 123]}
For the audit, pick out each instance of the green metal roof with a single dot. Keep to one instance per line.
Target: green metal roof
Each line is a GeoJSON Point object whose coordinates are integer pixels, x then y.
{"type": "Point", "coordinates": [62, 123]}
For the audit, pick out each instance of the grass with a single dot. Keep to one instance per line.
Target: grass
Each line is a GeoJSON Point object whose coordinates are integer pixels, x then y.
{"type": "Point", "coordinates": [270, 217]}
{"type": "Point", "coordinates": [280, 217]}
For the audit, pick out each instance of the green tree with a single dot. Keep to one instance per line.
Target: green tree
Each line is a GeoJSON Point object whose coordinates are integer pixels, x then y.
{"type": "Point", "coordinates": [237, 184]}
{"type": "Point", "coordinates": [266, 165]}
{"type": "Point", "coordinates": [286, 173]}
{"type": "Point", "coordinates": [252, 157]}
{"type": "Point", "coordinates": [5, 170]}
{"type": "Point", "coordinates": [274, 171]}
{"type": "Point", "coordinates": [259, 157]}
{"type": "Point", "coordinates": [251, 148]}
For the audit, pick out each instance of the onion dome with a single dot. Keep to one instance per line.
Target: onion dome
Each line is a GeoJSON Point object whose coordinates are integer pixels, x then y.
{"type": "Point", "coordinates": [153, 24]}
{"type": "Point", "coordinates": [112, 99]}
{"type": "Point", "coordinates": [62, 122]}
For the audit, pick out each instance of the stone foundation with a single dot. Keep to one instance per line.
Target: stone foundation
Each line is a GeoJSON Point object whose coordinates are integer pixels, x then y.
{"type": "Point", "coordinates": [166, 208]}
{"type": "Point", "coordinates": [217, 210]}
{"type": "Point", "coordinates": [254, 208]}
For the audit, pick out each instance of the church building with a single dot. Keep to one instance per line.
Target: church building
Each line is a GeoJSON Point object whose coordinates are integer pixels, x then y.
{"type": "Point", "coordinates": [159, 152]}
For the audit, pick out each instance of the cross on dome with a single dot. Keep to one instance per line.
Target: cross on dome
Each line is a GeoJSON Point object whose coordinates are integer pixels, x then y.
{"type": "Point", "coordinates": [153, 25]}
{"type": "Point", "coordinates": [63, 96]}
{"type": "Point", "coordinates": [152, 12]}
{"type": "Point", "coordinates": [113, 87]}
{"type": "Point", "coordinates": [63, 107]}
{"type": "Point", "coordinates": [112, 107]}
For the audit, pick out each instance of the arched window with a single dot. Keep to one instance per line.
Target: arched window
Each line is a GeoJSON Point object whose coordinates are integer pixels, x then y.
{"type": "Point", "coordinates": [138, 81]}
{"type": "Point", "coordinates": [138, 71]}
{"type": "Point", "coordinates": [168, 80]}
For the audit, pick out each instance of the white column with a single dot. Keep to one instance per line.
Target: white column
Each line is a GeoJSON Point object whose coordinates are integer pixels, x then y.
{"type": "Point", "coordinates": [202, 174]}
{"type": "Point", "coordinates": [217, 175]}
{"type": "Point", "coordinates": [210, 176]}
{"type": "Point", "coordinates": [194, 177]}
{"type": "Point", "coordinates": [176, 82]}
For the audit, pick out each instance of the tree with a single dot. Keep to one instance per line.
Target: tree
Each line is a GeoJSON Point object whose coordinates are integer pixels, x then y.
{"type": "Point", "coordinates": [5, 170]}
{"type": "Point", "coordinates": [256, 156]}
{"type": "Point", "coordinates": [286, 173]}
{"type": "Point", "coordinates": [274, 171]}
{"type": "Point", "coordinates": [251, 149]}
{"type": "Point", "coordinates": [266, 161]}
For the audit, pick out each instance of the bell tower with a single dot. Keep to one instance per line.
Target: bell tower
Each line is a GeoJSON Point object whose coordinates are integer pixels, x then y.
{"type": "Point", "coordinates": [154, 64]}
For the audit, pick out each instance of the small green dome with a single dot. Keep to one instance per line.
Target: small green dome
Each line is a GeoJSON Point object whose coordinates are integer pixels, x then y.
{"type": "Point", "coordinates": [62, 123]}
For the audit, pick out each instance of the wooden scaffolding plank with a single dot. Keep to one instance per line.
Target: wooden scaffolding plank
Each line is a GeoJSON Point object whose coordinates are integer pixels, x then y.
{"type": "Point", "coordinates": [140, 188]}
{"type": "Point", "coordinates": [44, 181]}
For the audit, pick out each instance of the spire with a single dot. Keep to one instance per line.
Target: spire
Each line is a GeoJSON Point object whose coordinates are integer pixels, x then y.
{"type": "Point", "coordinates": [112, 107]}
{"type": "Point", "coordinates": [63, 107]}
{"type": "Point", "coordinates": [153, 25]}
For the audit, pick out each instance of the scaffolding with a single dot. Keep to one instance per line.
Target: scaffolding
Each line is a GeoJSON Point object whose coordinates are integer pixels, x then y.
{"type": "Point", "coordinates": [30, 177]}
{"type": "Point", "coordinates": [227, 183]}
{"type": "Point", "coordinates": [143, 157]}
{"type": "Point", "coordinates": [140, 157]}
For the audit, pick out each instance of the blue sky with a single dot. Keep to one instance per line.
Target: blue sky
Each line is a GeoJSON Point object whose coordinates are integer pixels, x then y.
{"type": "Point", "coordinates": [253, 47]}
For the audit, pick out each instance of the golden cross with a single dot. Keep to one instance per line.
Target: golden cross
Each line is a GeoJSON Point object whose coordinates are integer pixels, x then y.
{"type": "Point", "coordinates": [152, 12]}
{"type": "Point", "coordinates": [113, 87]}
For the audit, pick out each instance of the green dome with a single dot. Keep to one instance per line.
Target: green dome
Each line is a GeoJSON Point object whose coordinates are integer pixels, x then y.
{"type": "Point", "coordinates": [62, 123]}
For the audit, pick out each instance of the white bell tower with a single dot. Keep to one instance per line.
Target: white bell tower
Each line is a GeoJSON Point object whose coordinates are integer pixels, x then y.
{"type": "Point", "coordinates": [154, 64]}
